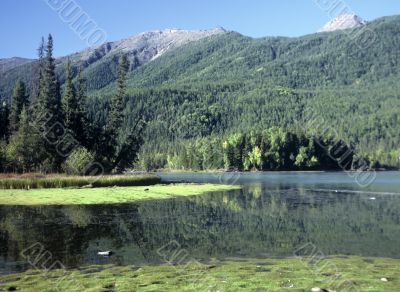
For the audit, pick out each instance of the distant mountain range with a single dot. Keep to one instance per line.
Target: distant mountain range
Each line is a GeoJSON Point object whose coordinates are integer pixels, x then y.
{"type": "Point", "coordinates": [140, 49]}
{"type": "Point", "coordinates": [214, 81]}
{"type": "Point", "coordinates": [11, 63]}
{"type": "Point", "coordinates": [147, 46]}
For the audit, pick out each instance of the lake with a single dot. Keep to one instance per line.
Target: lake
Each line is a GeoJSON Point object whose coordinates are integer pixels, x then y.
{"type": "Point", "coordinates": [273, 215]}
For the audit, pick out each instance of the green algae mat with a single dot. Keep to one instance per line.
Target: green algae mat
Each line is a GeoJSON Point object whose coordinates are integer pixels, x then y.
{"type": "Point", "coordinates": [110, 195]}
{"type": "Point", "coordinates": [293, 274]}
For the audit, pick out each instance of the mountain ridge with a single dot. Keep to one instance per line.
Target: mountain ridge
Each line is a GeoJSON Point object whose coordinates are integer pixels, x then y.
{"type": "Point", "coordinates": [13, 62]}
{"type": "Point", "coordinates": [145, 46]}
{"type": "Point", "coordinates": [140, 49]}
{"type": "Point", "coordinates": [104, 59]}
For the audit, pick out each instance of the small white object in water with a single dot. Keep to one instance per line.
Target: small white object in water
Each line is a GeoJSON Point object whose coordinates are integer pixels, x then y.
{"type": "Point", "coordinates": [372, 198]}
{"type": "Point", "coordinates": [104, 253]}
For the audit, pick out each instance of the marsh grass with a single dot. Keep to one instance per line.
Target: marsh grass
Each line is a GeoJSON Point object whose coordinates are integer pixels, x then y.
{"type": "Point", "coordinates": [39, 181]}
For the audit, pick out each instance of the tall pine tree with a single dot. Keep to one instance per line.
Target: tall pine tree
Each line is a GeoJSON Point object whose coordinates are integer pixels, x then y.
{"type": "Point", "coordinates": [49, 113]}
{"type": "Point", "coordinates": [83, 127]}
{"type": "Point", "coordinates": [110, 141]}
{"type": "Point", "coordinates": [18, 101]}
{"type": "Point", "coordinates": [4, 121]}
{"type": "Point", "coordinates": [49, 88]}
{"type": "Point", "coordinates": [125, 144]}
{"type": "Point", "coordinates": [37, 75]}
{"type": "Point", "coordinates": [115, 117]}
{"type": "Point", "coordinates": [69, 102]}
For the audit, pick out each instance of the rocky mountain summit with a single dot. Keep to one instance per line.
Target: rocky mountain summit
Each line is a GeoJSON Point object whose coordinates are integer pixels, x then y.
{"type": "Point", "coordinates": [140, 49]}
{"type": "Point", "coordinates": [344, 21]}
{"type": "Point", "coordinates": [144, 47]}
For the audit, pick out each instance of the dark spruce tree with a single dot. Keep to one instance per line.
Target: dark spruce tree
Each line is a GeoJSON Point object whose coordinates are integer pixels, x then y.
{"type": "Point", "coordinates": [4, 121]}
{"type": "Point", "coordinates": [69, 101]}
{"type": "Point", "coordinates": [115, 117]}
{"type": "Point", "coordinates": [37, 75]}
{"type": "Point", "coordinates": [49, 113]}
{"type": "Point", "coordinates": [83, 128]}
{"type": "Point", "coordinates": [120, 143]}
{"type": "Point", "coordinates": [18, 101]}
{"type": "Point", "coordinates": [3, 131]}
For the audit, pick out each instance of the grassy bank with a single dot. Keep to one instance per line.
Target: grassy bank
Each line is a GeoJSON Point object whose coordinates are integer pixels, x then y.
{"type": "Point", "coordinates": [111, 195]}
{"type": "Point", "coordinates": [37, 181]}
{"type": "Point", "coordinates": [334, 274]}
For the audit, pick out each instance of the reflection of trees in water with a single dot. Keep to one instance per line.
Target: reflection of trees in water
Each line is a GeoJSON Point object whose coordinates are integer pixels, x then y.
{"type": "Point", "coordinates": [243, 223]}
{"type": "Point", "coordinates": [73, 234]}
{"type": "Point", "coordinates": [79, 216]}
{"type": "Point", "coordinates": [253, 221]}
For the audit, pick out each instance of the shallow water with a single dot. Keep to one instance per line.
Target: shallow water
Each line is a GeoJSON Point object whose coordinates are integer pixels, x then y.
{"type": "Point", "coordinates": [273, 215]}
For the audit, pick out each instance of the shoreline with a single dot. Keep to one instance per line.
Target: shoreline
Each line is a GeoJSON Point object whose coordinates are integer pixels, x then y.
{"type": "Point", "coordinates": [274, 171]}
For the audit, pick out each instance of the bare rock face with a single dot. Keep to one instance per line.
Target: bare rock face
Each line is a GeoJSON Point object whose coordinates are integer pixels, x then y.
{"type": "Point", "coordinates": [343, 21]}
{"type": "Point", "coordinates": [11, 63]}
{"type": "Point", "coordinates": [144, 47]}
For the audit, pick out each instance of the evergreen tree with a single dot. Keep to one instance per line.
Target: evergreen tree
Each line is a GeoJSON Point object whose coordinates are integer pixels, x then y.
{"type": "Point", "coordinates": [69, 102]}
{"type": "Point", "coordinates": [49, 113]}
{"type": "Point", "coordinates": [129, 148]}
{"type": "Point", "coordinates": [49, 87]}
{"type": "Point", "coordinates": [82, 127]}
{"type": "Point", "coordinates": [37, 75]}
{"type": "Point", "coordinates": [18, 101]}
{"type": "Point", "coordinates": [4, 121]}
{"type": "Point", "coordinates": [120, 145]}
{"type": "Point", "coordinates": [115, 117]}
{"type": "Point", "coordinates": [22, 151]}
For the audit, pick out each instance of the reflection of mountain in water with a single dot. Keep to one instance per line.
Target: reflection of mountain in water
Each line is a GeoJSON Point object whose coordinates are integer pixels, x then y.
{"type": "Point", "coordinates": [253, 222]}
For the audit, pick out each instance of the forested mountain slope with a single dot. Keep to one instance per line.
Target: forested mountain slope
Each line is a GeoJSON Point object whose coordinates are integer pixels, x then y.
{"type": "Point", "coordinates": [234, 84]}
{"type": "Point", "coordinates": [11, 63]}
{"type": "Point", "coordinates": [324, 59]}
{"type": "Point", "coordinates": [100, 63]}
{"type": "Point", "coordinates": [228, 84]}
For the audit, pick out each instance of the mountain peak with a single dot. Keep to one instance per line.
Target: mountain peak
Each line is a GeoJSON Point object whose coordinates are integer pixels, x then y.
{"type": "Point", "coordinates": [145, 46]}
{"type": "Point", "coordinates": [343, 21]}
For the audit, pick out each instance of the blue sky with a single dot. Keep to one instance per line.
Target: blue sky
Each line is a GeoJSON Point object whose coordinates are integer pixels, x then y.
{"type": "Point", "coordinates": [23, 22]}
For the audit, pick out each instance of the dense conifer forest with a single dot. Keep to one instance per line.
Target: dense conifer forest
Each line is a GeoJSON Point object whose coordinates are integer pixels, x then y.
{"type": "Point", "coordinates": [50, 130]}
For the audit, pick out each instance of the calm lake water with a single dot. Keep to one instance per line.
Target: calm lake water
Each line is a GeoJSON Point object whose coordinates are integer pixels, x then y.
{"type": "Point", "coordinates": [271, 216]}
